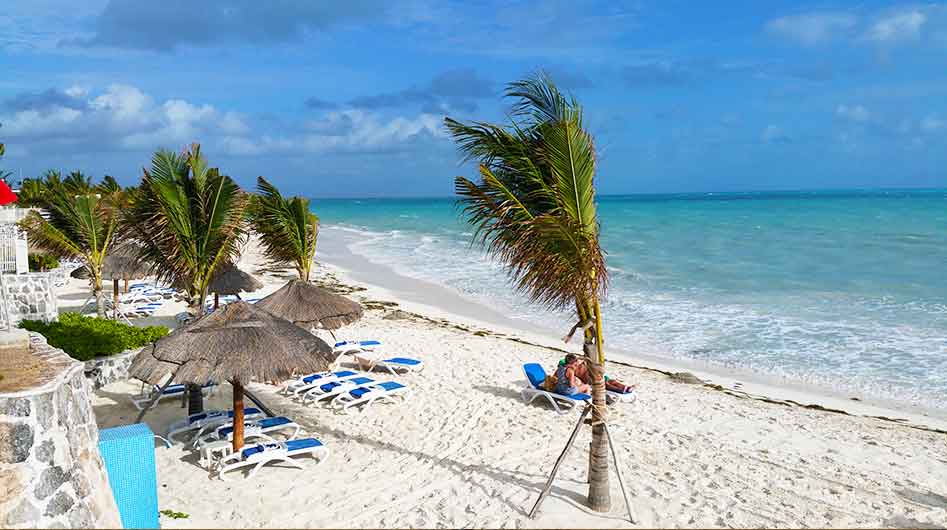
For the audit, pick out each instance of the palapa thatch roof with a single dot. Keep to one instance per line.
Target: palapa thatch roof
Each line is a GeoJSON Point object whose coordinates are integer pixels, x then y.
{"type": "Point", "coordinates": [238, 341]}
{"type": "Point", "coordinates": [120, 267]}
{"type": "Point", "coordinates": [308, 305]}
{"type": "Point", "coordinates": [231, 280]}
{"type": "Point", "coordinates": [228, 279]}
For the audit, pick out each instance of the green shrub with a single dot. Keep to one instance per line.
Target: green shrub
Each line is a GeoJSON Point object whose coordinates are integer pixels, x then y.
{"type": "Point", "coordinates": [42, 262]}
{"type": "Point", "coordinates": [86, 337]}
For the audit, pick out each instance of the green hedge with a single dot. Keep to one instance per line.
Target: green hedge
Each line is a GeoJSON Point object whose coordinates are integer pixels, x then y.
{"type": "Point", "coordinates": [42, 262]}
{"type": "Point", "coordinates": [86, 337]}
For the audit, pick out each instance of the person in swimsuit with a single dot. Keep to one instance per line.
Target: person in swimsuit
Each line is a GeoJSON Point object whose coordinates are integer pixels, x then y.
{"type": "Point", "coordinates": [582, 372]}
{"type": "Point", "coordinates": [567, 383]}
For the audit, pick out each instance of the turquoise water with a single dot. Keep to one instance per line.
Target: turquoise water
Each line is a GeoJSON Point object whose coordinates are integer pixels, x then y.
{"type": "Point", "coordinates": [846, 290]}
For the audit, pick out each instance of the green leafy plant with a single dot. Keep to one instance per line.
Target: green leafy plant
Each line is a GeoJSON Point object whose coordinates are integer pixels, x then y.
{"type": "Point", "coordinates": [287, 228]}
{"type": "Point", "coordinates": [173, 514]}
{"type": "Point", "coordinates": [42, 262]}
{"type": "Point", "coordinates": [84, 337]}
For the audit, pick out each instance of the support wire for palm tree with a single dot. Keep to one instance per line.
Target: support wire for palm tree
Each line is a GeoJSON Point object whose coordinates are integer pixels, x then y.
{"type": "Point", "coordinates": [534, 208]}
{"type": "Point", "coordinates": [188, 219]}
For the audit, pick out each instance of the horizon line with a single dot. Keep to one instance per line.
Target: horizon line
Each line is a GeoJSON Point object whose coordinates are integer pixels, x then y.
{"type": "Point", "coordinates": [673, 193]}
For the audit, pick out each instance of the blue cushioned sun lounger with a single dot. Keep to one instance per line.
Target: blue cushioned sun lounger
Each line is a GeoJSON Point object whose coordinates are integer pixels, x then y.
{"type": "Point", "coordinates": [251, 428]}
{"type": "Point", "coordinates": [207, 420]}
{"type": "Point", "coordinates": [334, 388]}
{"type": "Point", "coordinates": [304, 383]}
{"type": "Point", "coordinates": [535, 376]}
{"type": "Point", "coordinates": [261, 454]}
{"type": "Point", "coordinates": [369, 394]}
{"type": "Point", "coordinates": [396, 364]}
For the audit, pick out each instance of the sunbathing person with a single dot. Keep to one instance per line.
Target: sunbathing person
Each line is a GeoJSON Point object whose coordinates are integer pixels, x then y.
{"type": "Point", "coordinates": [582, 372]}
{"type": "Point", "coordinates": [566, 381]}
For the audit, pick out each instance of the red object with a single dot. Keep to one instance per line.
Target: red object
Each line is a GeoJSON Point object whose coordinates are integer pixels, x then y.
{"type": "Point", "coordinates": [6, 194]}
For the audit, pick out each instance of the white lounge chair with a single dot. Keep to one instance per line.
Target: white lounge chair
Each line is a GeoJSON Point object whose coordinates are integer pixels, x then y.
{"type": "Point", "coordinates": [261, 454]}
{"type": "Point", "coordinates": [355, 346]}
{"type": "Point", "coordinates": [308, 381]}
{"type": "Point", "coordinates": [334, 388]}
{"type": "Point", "coordinates": [143, 399]}
{"type": "Point", "coordinates": [251, 428]}
{"type": "Point", "coordinates": [205, 420]}
{"type": "Point", "coordinates": [535, 376]}
{"type": "Point", "coordinates": [368, 394]}
{"type": "Point", "coordinates": [393, 365]}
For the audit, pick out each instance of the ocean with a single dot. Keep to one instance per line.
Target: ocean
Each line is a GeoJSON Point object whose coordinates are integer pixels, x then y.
{"type": "Point", "coordinates": [843, 290]}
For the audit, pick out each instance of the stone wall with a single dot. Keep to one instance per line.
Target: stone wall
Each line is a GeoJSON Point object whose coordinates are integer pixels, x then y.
{"type": "Point", "coordinates": [51, 473]}
{"type": "Point", "coordinates": [104, 370]}
{"type": "Point", "coordinates": [30, 296]}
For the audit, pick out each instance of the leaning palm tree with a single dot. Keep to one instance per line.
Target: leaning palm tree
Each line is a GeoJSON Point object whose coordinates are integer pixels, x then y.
{"type": "Point", "coordinates": [287, 228]}
{"type": "Point", "coordinates": [188, 220]}
{"type": "Point", "coordinates": [78, 226]}
{"type": "Point", "coordinates": [534, 209]}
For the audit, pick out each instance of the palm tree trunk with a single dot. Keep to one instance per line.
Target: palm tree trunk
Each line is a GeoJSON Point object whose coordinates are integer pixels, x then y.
{"type": "Point", "coordinates": [99, 297]}
{"type": "Point", "coordinates": [599, 495]}
{"type": "Point", "coordinates": [195, 395]}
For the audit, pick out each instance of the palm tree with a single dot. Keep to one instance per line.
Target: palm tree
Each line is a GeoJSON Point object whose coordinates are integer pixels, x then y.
{"type": "Point", "coordinates": [287, 228]}
{"type": "Point", "coordinates": [187, 219]}
{"type": "Point", "coordinates": [534, 209]}
{"type": "Point", "coordinates": [82, 226]}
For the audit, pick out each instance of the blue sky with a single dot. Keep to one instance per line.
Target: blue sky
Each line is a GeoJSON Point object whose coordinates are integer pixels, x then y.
{"type": "Point", "coordinates": [347, 98]}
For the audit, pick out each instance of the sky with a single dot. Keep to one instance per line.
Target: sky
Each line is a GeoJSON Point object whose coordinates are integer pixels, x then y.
{"type": "Point", "coordinates": [347, 99]}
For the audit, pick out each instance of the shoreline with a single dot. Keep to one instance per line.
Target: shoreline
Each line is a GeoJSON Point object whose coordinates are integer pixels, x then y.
{"type": "Point", "coordinates": [427, 298]}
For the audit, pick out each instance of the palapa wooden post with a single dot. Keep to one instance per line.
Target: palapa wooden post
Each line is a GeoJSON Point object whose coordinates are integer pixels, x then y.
{"type": "Point", "coordinates": [115, 298]}
{"type": "Point", "coordinates": [562, 456]}
{"type": "Point", "coordinates": [126, 285]}
{"type": "Point", "coordinates": [237, 415]}
{"type": "Point", "coordinates": [216, 301]}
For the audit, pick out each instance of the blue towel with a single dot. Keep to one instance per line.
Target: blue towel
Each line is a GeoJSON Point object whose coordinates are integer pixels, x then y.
{"type": "Point", "coordinates": [291, 445]}
{"type": "Point", "coordinates": [403, 360]}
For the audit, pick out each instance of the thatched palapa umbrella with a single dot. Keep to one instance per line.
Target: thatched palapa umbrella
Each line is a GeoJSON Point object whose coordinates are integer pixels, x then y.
{"type": "Point", "coordinates": [228, 279]}
{"type": "Point", "coordinates": [238, 343]}
{"type": "Point", "coordinates": [309, 306]}
{"type": "Point", "coordinates": [120, 267]}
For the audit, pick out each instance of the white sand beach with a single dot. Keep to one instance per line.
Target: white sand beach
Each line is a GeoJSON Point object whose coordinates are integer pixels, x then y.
{"type": "Point", "coordinates": [463, 450]}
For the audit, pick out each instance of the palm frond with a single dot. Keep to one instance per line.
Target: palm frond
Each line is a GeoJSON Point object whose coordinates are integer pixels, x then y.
{"type": "Point", "coordinates": [187, 219]}
{"type": "Point", "coordinates": [287, 228]}
{"type": "Point", "coordinates": [533, 207]}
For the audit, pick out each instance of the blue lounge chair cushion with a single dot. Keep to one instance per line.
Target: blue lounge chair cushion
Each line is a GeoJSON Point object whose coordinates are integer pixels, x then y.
{"type": "Point", "coordinates": [314, 377]}
{"type": "Point", "coordinates": [357, 380]}
{"type": "Point", "coordinates": [535, 374]}
{"type": "Point", "coordinates": [203, 415]}
{"type": "Point", "coordinates": [291, 445]}
{"type": "Point", "coordinates": [403, 360]}
{"type": "Point", "coordinates": [387, 385]}
{"type": "Point", "coordinates": [265, 423]}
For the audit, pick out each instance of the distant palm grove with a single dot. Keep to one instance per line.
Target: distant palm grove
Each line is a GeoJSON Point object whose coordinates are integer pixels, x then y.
{"type": "Point", "coordinates": [182, 222]}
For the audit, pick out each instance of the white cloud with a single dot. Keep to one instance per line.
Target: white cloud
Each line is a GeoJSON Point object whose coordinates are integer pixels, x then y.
{"type": "Point", "coordinates": [812, 29]}
{"type": "Point", "coordinates": [774, 134]}
{"type": "Point", "coordinates": [932, 124]}
{"type": "Point", "coordinates": [123, 117]}
{"type": "Point", "coordinates": [897, 27]}
{"type": "Point", "coordinates": [856, 113]}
